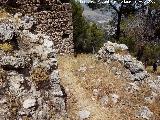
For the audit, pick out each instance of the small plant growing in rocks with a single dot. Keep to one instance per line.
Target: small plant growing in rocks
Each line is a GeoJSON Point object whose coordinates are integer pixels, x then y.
{"type": "Point", "coordinates": [40, 77]}
{"type": "Point", "coordinates": [6, 47]}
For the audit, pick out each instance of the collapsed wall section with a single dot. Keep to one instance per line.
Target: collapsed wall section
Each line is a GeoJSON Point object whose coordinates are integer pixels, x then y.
{"type": "Point", "coordinates": [52, 17]}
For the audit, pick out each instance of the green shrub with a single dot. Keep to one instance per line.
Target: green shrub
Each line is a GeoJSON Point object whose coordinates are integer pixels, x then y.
{"type": "Point", "coordinates": [152, 52]}
{"type": "Point", "coordinates": [87, 37]}
{"type": "Point", "coordinates": [130, 42]}
{"type": "Point", "coordinates": [94, 38]}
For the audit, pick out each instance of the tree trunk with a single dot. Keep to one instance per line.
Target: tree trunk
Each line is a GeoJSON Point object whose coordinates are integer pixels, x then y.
{"type": "Point", "coordinates": [118, 31]}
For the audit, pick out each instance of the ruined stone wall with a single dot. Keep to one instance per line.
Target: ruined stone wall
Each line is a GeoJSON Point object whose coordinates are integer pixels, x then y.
{"type": "Point", "coordinates": [30, 85]}
{"type": "Point", "coordinates": [52, 17]}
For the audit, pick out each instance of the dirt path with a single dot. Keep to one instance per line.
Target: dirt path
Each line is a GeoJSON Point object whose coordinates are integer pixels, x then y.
{"type": "Point", "coordinates": [78, 97]}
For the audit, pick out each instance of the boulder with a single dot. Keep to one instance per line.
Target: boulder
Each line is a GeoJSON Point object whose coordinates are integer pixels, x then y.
{"type": "Point", "coordinates": [14, 61]}
{"type": "Point", "coordinates": [140, 76]}
{"type": "Point", "coordinates": [104, 100]}
{"type": "Point", "coordinates": [27, 22]}
{"type": "Point", "coordinates": [122, 47]}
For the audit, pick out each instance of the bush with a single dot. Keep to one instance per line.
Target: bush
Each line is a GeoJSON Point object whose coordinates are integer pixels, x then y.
{"type": "Point", "coordinates": [137, 34]}
{"type": "Point", "coordinates": [130, 42]}
{"type": "Point", "coordinates": [87, 37]}
{"type": "Point", "coordinates": [94, 39]}
{"type": "Point", "coordinates": [152, 52]}
{"type": "Point", "coordinates": [39, 74]}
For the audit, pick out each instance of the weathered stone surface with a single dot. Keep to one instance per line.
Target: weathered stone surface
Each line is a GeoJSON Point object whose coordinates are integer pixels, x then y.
{"type": "Point", "coordinates": [30, 102]}
{"type": "Point", "coordinates": [114, 98]}
{"type": "Point", "coordinates": [144, 113]}
{"type": "Point", "coordinates": [7, 30]}
{"type": "Point", "coordinates": [155, 85]}
{"type": "Point", "coordinates": [29, 76]}
{"type": "Point", "coordinates": [48, 16]}
{"type": "Point", "coordinates": [104, 100]}
{"type": "Point", "coordinates": [15, 62]}
{"type": "Point", "coordinates": [117, 52]}
{"type": "Point", "coordinates": [27, 22]}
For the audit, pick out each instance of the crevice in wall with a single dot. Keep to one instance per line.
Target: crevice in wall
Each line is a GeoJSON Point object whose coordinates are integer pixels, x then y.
{"type": "Point", "coordinates": [14, 42]}
{"type": "Point", "coordinates": [44, 6]}
{"type": "Point", "coordinates": [24, 71]}
{"type": "Point", "coordinates": [64, 36]}
{"type": "Point", "coordinates": [64, 1]}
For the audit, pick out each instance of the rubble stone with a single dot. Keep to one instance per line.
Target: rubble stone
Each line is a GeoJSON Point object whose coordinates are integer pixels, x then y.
{"type": "Point", "coordinates": [135, 67]}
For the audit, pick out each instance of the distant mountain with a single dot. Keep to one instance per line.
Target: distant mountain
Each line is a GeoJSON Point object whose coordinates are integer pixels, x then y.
{"type": "Point", "coordinates": [101, 17]}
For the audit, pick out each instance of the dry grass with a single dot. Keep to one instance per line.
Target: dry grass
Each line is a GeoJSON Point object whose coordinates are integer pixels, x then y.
{"type": "Point", "coordinates": [81, 85]}
{"type": "Point", "coordinates": [3, 14]}
{"type": "Point", "coordinates": [95, 74]}
{"type": "Point", "coordinates": [80, 91]}
{"type": "Point", "coordinates": [150, 70]}
{"type": "Point", "coordinates": [40, 77]}
{"type": "Point", "coordinates": [39, 74]}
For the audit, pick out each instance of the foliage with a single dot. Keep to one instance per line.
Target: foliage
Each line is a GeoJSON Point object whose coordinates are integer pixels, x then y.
{"type": "Point", "coordinates": [121, 8]}
{"type": "Point", "coordinates": [152, 51]}
{"type": "Point", "coordinates": [94, 38]}
{"type": "Point", "coordinates": [155, 4]}
{"type": "Point", "coordinates": [86, 37]}
{"type": "Point", "coordinates": [130, 42]}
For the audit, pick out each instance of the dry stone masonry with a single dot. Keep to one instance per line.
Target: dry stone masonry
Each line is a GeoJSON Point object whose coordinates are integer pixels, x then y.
{"type": "Point", "coordinates": [118, 52]}
{"type": "Point", "coordinates": [29, 81]}
{"type": "Point", "coordinates": [53, 17]}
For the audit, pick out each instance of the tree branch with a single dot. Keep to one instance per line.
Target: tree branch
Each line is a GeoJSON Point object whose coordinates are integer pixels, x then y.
{"type": "Point", "coordinates": [114, 7]}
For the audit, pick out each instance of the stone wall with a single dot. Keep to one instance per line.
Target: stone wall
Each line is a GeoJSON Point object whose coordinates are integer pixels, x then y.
{"type": "Point", "coordinates": [52, 17]}
{"type": "Point", "coordinates": [118, 52]}
{"type": "Point", "coordinates": [29, 80]}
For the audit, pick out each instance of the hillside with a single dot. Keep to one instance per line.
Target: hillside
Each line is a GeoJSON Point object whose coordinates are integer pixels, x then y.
{"type": "Point", "coordinates": [100, 16]}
